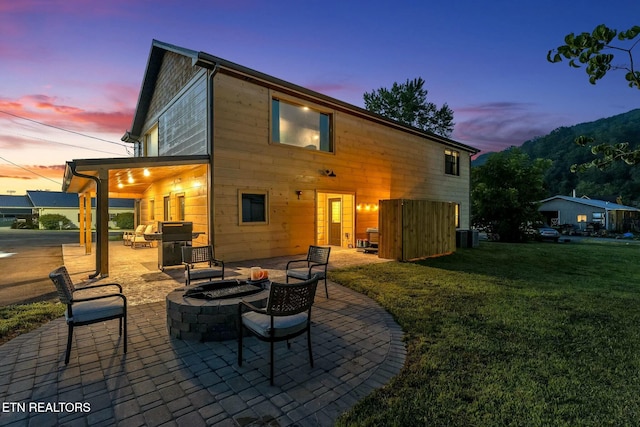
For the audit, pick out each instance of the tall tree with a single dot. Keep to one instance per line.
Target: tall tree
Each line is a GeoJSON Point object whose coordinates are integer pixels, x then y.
{"type": "Point", "coordinates": [597, 50]}
{"type": "Point", "coordinates": [505, 192]}
{"type": "Point", "coordinates": [407, 103]}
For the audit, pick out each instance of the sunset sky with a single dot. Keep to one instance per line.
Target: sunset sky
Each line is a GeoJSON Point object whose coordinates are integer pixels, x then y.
{"type": "Point", "coordinates": [71, 70]}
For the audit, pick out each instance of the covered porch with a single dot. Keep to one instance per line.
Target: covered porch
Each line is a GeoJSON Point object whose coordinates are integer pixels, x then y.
{"type": "Point", "coordinates": [170, 188]}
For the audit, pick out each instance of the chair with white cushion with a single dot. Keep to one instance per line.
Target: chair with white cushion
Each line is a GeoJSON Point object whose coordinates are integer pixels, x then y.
{"type": "Point", "coordinates": [140, 240]}
{"type": "Point", "coordinates": [85, 307]}
{"type": "Point", "coordinates": [315, 263]}
{"type": "Point", "coordinates": [287, 315]}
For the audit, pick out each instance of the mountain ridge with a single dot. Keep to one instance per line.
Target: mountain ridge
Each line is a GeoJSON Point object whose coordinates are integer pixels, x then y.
{"type": "Point", "coordinates": [619, 180]}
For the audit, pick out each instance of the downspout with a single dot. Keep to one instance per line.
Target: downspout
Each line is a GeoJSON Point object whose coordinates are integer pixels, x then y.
{"type": "Point", "coordinates": [210, 124]}
{"type": "Point", "coordinates": [98, 217]}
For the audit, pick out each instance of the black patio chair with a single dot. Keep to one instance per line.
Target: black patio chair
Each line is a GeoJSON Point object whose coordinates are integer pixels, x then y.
{"type": "Point", "coordinates": [193, 255]}
{"type": "Point", "coordinates": [315, 263]}
{"type": "Point", "coordinates": [92, 308]}
{"type": "Point", "coordinates": [287, 315]}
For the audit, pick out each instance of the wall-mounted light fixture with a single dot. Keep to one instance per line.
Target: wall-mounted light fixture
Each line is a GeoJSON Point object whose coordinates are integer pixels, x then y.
{"type": "Point", "coordinates": [299, 193]}
{"type": "Point", "coordinates": [367, 207]}
{"type": "Point", "coordinates": [329, 173]}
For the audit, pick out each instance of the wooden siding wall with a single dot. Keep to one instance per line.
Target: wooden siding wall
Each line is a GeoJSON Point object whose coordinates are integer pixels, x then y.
{"type": "Point", "coordinates": [372, 161]}
{"type": "Point", "coordinates": [414, 229]}
{"type": "Point", "coordinates": [182, 128]}
{"type": "Point", "coordinates": [193, 185]}
{"type": "Point", "coordinates": [175, 73]}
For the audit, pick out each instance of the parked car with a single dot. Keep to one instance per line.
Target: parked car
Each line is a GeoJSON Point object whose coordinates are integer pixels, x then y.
{"type": "Point", "coordinates": [547, 233]}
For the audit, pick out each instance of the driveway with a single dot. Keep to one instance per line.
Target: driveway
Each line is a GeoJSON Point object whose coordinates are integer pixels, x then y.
{"type": "Point", "coordinates": [26, 258]}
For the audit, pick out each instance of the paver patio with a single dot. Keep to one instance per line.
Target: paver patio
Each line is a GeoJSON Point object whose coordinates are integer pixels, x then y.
{"type": "Point", "coordinates": [357, 348]}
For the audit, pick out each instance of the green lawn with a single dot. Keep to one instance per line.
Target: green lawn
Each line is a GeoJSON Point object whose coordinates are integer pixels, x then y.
{"type": "Point", "coordinates": [536, 334]}
{"type": "Point", "coordinates": [22, 318]}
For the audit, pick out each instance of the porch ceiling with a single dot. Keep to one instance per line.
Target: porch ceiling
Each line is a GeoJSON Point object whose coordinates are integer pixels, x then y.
{"type": "Point", "coordinates": [126, 177]}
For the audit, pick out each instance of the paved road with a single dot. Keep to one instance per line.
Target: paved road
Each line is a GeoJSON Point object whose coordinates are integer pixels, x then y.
{"type": "Point", "coordinates": [26, 258]}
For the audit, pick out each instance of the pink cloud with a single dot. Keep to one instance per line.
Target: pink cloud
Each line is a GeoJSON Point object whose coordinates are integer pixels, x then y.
{"type": "Point", "coordinates": [49, 110]}
{"type": "Point", "coordinates": [499, 125]}
{"type": "Point", "coordinates": [10, 142]}
{"type": "Point", "coordinates": [14, 172]}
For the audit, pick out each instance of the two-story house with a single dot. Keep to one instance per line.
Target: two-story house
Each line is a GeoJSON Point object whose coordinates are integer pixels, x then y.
{"type": "Point", "coordinates": [265, 167]}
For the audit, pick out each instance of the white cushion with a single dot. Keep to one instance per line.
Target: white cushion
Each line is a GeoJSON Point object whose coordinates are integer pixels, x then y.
{"type": "Point", "coordinates": [86, 311]}
{"type": "Point", "coordinates": [284, 325]}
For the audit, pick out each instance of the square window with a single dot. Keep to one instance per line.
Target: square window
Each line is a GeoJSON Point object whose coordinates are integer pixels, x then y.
{"type": "Point", "coordinates": [300, 126]}
{"type": "Point", "coordinates": [253, 207]}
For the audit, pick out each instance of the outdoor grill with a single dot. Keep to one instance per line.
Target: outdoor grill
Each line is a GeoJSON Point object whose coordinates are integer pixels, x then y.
{"type": "Point", "coordinates": [174, 235]}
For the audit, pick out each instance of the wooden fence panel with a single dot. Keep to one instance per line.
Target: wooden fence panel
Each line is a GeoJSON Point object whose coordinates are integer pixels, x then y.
{"type": "Point", "coordinates": [415, 229]}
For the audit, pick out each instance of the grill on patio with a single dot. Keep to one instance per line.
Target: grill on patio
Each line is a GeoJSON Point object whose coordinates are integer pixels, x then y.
{"type": "Point", "coordinates": [174, 235]}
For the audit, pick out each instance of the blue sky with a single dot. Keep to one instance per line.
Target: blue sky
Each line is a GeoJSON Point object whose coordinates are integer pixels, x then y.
{"type": "Point", "coordinates": [78, 65]}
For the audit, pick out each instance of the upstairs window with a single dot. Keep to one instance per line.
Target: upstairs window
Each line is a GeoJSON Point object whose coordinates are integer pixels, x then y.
{"type": "Point", "coordinates": [451, 162]}
{"type": "Point", "coordinates": [300, 126]}
{"type": "Point", "coordinates": [151, 142]}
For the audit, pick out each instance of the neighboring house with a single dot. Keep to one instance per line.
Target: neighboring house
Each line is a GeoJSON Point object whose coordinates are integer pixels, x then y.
{"type": "Point", "coordinates": [265, 167]}
{"type": "Point", "coordinates": [582, 213]}
{"type": "Point", "coordinates": [13, 207]}
{"type": "Point", "coordinates": [66, 204]}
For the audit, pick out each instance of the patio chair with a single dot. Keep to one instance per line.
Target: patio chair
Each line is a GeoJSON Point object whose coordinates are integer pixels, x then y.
{"type": "Point", "coordinates": [314, 264]}
{"type": "Point", "coordinates": [287, 315]}
{"type": "Point", "coordinates": [127, 236]}
{"type": "Point", "coordinates": [140, 240]}
{"type": "Point", "coordinates": [90, 307]}
{"type": "Point", "coordinates": [192, 255]}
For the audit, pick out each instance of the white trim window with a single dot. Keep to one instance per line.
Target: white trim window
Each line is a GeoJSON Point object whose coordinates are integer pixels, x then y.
{"type": "Point", "coordinates": [151, 142]}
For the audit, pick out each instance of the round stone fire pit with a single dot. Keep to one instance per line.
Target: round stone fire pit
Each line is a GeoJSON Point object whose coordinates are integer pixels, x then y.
{"type": "Point", "coordinates": [210, 312]}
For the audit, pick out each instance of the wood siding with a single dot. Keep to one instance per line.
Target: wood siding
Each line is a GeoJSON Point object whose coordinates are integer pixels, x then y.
{"type": "Point", "coordinates": [372, 161]}
{"type": "Point", "coordinates": [193, 186]}
{"type": "Point", "coordinates": [182, 128]}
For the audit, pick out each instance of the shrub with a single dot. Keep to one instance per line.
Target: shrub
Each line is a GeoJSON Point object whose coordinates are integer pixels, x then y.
{"type": "Point", "coordinates": [52, 222]}
{"type": "Point", "coordinates": [124, 220]}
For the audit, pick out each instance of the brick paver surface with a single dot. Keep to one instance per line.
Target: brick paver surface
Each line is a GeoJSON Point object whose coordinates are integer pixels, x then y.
{"type": "Point", "coordinates": [357, 348]}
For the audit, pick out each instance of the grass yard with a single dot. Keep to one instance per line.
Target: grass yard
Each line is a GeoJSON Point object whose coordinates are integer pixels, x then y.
{"type": "Point", "coordinates": [536, 334]}
{"type": "Point", "coordinates": [20, 319]}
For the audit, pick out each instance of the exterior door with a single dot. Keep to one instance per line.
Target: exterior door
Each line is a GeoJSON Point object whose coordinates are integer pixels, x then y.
{"type": "Point", "coordinates": [335, 222]}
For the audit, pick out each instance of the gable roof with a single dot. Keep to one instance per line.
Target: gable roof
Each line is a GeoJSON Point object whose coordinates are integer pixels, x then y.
{"type": "Point", "coordinates": [205, 60]}
{"type": "Point", "coordinates": [53, 199]}
{"type": "Point", "coordinates": [600, 204]}
{"type": "Point", "coordinates": [14, 202]}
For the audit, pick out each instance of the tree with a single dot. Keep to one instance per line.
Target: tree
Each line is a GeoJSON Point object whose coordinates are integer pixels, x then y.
{"type": "Point", "coordinates": [505, 192]}
{"type": "Point", "coordinates": [407, 103]}
{"type": "Point", "coordinates": [597, 50]}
